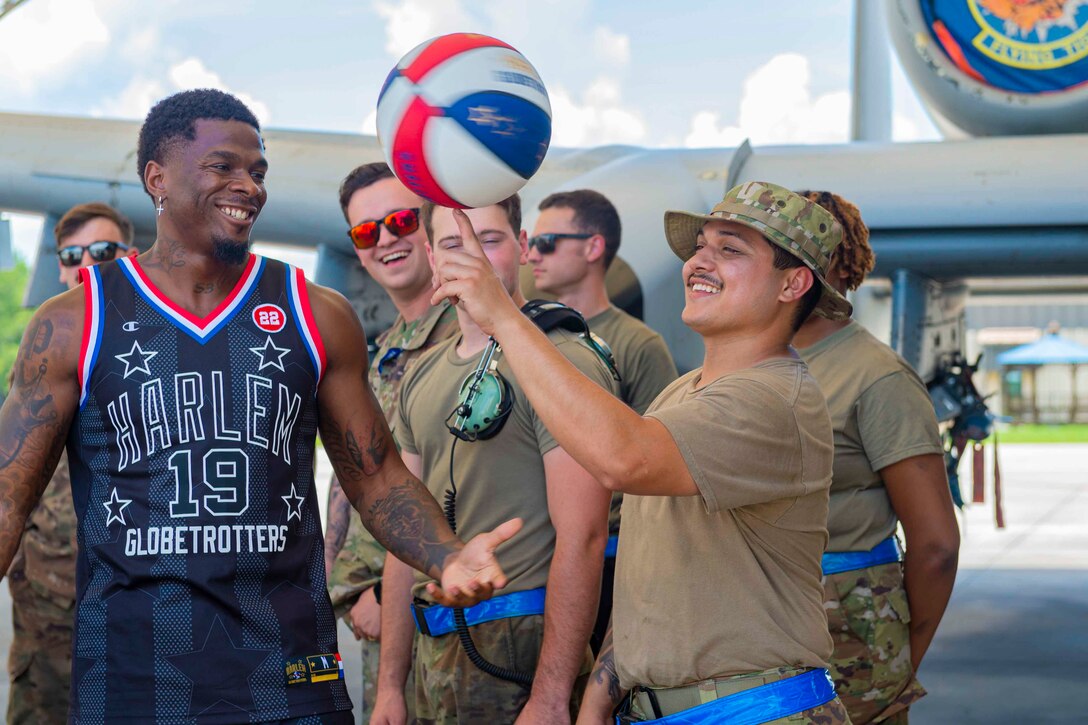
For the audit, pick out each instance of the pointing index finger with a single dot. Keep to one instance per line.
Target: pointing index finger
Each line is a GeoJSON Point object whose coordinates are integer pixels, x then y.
{"type": "Point", "coordinates": [469, 242]}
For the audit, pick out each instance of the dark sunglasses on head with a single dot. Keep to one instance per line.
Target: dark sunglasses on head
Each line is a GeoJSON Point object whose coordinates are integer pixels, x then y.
{"type": "Point", "coordinates": [545, 243]}
{"type": "Point", "coordinates": [401, 222]}
{"type": "Point", "coordinates": [100, 252]}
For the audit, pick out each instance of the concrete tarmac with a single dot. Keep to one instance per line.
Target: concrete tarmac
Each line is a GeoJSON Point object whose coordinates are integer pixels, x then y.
{"type": "Point", "coordinates": [1013, 646]}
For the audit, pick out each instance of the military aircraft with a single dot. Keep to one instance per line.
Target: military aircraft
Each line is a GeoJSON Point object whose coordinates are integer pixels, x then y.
{"type": "Point", "coordinates": [1003, 196]}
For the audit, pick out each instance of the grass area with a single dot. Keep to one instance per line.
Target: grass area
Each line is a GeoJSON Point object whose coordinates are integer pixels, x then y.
{"type": "Point", "coordinates": [1028, 433]}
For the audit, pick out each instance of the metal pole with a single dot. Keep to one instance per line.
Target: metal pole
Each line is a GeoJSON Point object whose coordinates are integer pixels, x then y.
{"type": "Point", "coordinates": [871, 109]}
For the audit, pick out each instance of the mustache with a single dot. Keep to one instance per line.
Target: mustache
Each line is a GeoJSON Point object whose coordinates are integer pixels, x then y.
{"type": "Point", "coordinates": [706, 278]}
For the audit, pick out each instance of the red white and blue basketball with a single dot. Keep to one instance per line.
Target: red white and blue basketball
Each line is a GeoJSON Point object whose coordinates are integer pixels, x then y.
{"type": "Point", "coordinates": [464, 120]}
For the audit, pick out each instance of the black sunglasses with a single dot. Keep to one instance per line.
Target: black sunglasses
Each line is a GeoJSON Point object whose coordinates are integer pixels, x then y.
{"type": "Point", "coordinates": [545, 243]}
{"type": "Point", "coordinates": [100, 252]}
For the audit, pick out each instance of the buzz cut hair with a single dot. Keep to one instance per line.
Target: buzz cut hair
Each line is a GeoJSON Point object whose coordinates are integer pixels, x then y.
{"type": "Point", "coordinates": [172, 121]}
{"type": "Point", "coordinates": [511, 206]}
{"type": "Point", "coordinates": [593, 214]}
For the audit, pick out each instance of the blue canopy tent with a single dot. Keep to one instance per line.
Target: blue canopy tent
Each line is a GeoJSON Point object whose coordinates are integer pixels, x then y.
{"type": "Point", "coordinates": [1050, 349]}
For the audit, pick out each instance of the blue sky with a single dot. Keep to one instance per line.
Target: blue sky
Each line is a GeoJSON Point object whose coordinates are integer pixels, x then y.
{"type": "Point", "coordinates": [687, 73]}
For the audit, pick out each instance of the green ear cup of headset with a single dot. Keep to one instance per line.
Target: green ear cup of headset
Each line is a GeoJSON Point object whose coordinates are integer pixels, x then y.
{"type": "Point", "coordinates": [489, 408]}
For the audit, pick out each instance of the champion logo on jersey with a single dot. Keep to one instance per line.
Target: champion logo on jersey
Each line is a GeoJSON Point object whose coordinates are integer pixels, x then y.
{"type": "Point", "coordinates": [270, 318]}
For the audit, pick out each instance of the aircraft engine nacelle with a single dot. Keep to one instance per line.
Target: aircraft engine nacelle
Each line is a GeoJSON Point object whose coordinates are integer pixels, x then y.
{"type": "Point", "coordinates": [996, 67]}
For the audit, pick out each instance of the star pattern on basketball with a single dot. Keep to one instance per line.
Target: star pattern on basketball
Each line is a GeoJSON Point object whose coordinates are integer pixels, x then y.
{"type": "Point", "coordinates": [488, 116]}
{"type": "Point", "coordinates": [270, 355]}
{"type": "Point", "coordinates": [136, 359]}
{"type": "Point", "coordinates": [116, 514]}
{"type": "Point", "coordinates": [294, 504]}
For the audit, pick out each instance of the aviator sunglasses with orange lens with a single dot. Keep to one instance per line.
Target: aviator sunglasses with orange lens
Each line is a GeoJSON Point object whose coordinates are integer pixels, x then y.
{"type": "Point", "coordinates": [401, 222]}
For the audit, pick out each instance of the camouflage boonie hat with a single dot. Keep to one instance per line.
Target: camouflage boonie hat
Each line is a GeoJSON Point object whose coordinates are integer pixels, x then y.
{"type": "Point", "coordinates": [801, 227]}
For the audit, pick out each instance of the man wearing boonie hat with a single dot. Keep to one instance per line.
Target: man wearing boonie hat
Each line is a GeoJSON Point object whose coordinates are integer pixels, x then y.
{"type": "Point", "coordinates": [718, 613]}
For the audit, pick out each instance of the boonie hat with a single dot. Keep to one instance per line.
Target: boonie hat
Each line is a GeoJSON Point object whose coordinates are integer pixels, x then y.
{"type": "Point", "coordinates": [801, 227]}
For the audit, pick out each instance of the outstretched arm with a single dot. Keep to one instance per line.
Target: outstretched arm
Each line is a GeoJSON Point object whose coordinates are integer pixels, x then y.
{"type": "Point", "coordinates": [394, 506]}
{"type": "Point", "coordinates": [36, 415]}
{"type": "Point", "coordinates": [626, 452]}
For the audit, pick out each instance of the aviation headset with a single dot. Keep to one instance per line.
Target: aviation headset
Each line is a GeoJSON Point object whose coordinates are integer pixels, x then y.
{"type": "Point", "coordinates": [485, 398]}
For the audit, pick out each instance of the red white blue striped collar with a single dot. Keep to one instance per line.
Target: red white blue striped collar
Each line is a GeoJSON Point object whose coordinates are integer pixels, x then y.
{"type": "Point", "coordinates": [200, 329]}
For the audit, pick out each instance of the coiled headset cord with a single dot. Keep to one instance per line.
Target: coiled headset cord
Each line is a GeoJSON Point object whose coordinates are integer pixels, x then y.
{"type": "Point", "coordinates": [474, 656]}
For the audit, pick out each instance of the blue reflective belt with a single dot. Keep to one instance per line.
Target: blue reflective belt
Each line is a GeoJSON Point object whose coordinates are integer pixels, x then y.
{"type": "Point", "coordinates": [760, 704]}
{"type": "Point", "coordinates": [610, 547]}
{"type": "Point", "coordinates": [436, 620]}
{"type": "Point", "coordinates": [886, 552]}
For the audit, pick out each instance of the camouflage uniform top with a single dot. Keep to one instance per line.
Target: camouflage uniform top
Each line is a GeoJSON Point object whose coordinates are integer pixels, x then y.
{"type": "Point", "coordinates": [358, 564]}
{"type": "Point", "coordinates": [49, 543]}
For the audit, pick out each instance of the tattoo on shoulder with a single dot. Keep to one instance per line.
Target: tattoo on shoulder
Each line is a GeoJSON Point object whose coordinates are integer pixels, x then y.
{"type": "Point", "coordinates": [32, 427]}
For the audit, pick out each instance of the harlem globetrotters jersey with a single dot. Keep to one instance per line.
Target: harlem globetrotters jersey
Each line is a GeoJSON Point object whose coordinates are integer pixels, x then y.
{"type": "Point", "coordinates": [201, 582]}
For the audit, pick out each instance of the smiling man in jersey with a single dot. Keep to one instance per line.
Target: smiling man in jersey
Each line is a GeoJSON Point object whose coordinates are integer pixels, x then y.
{"type": "Point", "coordinates": [189, 386]}
{"type": "Point", "coordinates": [718, 613]}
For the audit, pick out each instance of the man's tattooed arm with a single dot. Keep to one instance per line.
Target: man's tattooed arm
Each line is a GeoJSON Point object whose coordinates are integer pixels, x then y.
{"type": "Point", "coordinates": [36, 414]}
{"type": "Point", "coordinates": [394, 505]}
{"type": "Point", "coordinates": [338, 520]}
{"type": "Point", "coordinates": [603, 694]}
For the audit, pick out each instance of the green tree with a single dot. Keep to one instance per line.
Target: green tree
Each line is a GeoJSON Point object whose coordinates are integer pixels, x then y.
{"type": "Point", "coordinates": [13, 317]}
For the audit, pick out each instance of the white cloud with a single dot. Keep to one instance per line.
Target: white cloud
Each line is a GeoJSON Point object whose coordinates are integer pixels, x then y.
{"type": "Point", "coordinates": [611, 47]}
{"type": "Point", "coordinates": [599, 117]}
{"type": "Point", "coordinates": [410, 22]}
{"type": "Point", "coordinates": [136, 99]}
{"type": "Point", "coordinates": [43, 38]}
{"type": "Point", "coordinates": [706, 132]}
{"type": "Point", "coordinates": [192, 73]}
{"type": "Point", "coordinates": [777, 107]}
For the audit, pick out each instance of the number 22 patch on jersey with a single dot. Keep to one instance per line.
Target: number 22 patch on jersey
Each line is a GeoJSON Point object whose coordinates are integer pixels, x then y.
{"type": "Point", "coordinates": [314, 668]}
{"type": "Point", "coordinates": [269, 317]}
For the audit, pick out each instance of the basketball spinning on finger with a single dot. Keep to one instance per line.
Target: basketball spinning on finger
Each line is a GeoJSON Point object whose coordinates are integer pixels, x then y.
{"type": "Point", "coordinates": [464, 120]}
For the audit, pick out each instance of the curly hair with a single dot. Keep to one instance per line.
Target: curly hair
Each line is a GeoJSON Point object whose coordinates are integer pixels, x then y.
{"type": "Point", "coordinates": [854, 257]}
{"type": "Point", "coordinates": [173, 119]}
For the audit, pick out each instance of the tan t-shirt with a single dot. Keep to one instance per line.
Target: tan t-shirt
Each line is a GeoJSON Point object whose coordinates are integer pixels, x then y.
{"type": "Point", "coordinates": [497, 479]}
{"type": "Point", "coordinates": [881, 414]}
{"type": "Point", "coordinates": [728, 582]}
{"type": "Point", "coordinates": [644, 363]}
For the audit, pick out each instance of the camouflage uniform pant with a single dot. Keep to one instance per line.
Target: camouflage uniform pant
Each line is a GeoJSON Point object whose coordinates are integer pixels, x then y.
{"type": "Point", "coordinates": [869, 619]}
{"type": "Point", "coordinates": [450, 689]}
{"type": "Point", "coordinates": [40, 660]}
